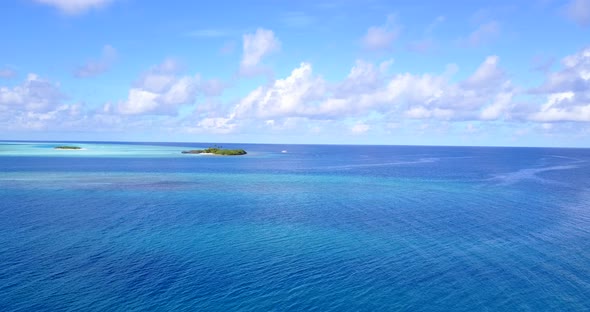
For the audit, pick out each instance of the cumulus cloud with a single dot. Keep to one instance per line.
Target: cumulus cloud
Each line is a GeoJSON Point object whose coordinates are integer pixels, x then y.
{"type": "Point", "coordinates": [162, 90]}
{"type": "Point", "coordinates": [34, 94]}
{"type": "Point", "coordinates": [219, 125]}
{"type": "Point", "coordinates": [567, 91]}
{"type": "Point", "coordinates": [283, 97]}
{"type": "Point", "coordinates": [35, 104]}
{"type": "Point", "coordinates": [74, 7]}
{"type": "Point", "coordinates": [256, 46]}
{"type": "Point", "coordinates": [138, 102]}
{"type": "Point", "coordinates": [502, 105]}
{"type": "Point", "coordinates": [574, 75]}
{"type": "Point", "coordinates": [38, 104]}
{"type": "Point", "coordinates": [369, 89]}
{"type": "Point", "coordinates": [562, 107]}
{"type": "Point", "coordinates": [579, 12]}
{"type": "Point", "coordinates": [98, 66]}
{"type": "Point", "coordinates": [382, 37]}
{"type": "Point", "coordinates": [430, 96]}
{"type": "Point", "coordinates": [363, 76]}
{"type": "Point", "coordinates": [487, 74]}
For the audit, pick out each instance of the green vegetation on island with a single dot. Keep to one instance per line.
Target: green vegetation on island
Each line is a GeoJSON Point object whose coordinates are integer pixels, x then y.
{"type": "Point", "coordinates": [67, 147]}
{"type": "Point", "coordinates": [217, 150]}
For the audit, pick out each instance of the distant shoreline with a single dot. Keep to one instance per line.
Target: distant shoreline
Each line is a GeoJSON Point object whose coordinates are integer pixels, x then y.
{"type": "Point", "coordinates": [218, 151]}
{"type": "Point", "coordinates": [177, 143]}
{"type": "Point", "coordinates": [68, 147]}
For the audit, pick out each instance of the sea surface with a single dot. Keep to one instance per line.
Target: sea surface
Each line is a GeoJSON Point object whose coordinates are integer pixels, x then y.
{"type": "Point", "coordinates": [142, 227]}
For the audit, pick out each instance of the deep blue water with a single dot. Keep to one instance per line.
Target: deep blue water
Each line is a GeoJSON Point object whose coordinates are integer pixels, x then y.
{"type": "Point", "coordinates": [325, 228]}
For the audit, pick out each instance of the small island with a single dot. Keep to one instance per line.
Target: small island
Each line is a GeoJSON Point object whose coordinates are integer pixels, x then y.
{"type": "Point", "coordinates": [217, 151]}
{"type": "Point", "coordinates": [67, 147]}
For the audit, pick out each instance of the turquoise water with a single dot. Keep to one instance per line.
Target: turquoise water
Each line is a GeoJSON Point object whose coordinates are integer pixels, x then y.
{"type": "Point", "coordinates": [103, 149]}
{"type": "Point", "coordinates": [136, 227]}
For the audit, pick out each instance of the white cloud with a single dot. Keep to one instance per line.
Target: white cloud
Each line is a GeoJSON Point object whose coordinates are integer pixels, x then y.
{"type": "Point", "coordinates": [502, 105]}
{"type": "Point", "coordinates": [563, 107]}
{"type": "Point", "coordinates": [34, 94]}
{"type": "Point", "coordinates": [369, 90]}
{"type": "Point", "coordinates": [138, 102]}
{"type": "Point", "coordinates": [220, 125]}
{"type": "Point", "coordinates": [286, 97]}
{"type": "Point", "coordinates": [574, 76]}
{"type": "Point", "coordinates": [579, 11]}
{"type": "Point", "coordinates": [96, 67]}
{"type": "Point", "coordinates": [258, 45]}
{"type": "Point", "coordinates": [182, 91]}
{"type": "Point", "coordinates": [418, 113]}
{"type": "Point", "coordinates": [73, 7]}
{"type": "Point", "coordinates": [161, 91]}
{"type": "Point", "coordinates": [567, 91]}
{"type": "Point", "coordinates": [35, 104]}
{"type": "Point", "coordinates": [382, 37]}
{"type": "Point", "coordinates": [160, 77]}
{"type": "Point", "coordinates": [364, 76]}
{"type": "Point", "coordinates": [434, 96]}
{"type": "Point", "coordinates": [487, 74]}
{"type": "Point", "coordinates": [38, 104]}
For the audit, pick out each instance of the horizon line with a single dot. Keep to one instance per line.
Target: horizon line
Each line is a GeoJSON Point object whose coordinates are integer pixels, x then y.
{"type": "Point", "coordinates": [259, 143]}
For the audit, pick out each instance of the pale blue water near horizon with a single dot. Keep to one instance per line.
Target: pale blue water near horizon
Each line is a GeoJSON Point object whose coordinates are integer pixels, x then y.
{"type": "Point", "coordinates": [141, 227]}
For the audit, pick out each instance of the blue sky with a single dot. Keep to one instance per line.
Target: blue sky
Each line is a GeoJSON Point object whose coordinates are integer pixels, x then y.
{"type": "Point", "coordinates": [512, 73]}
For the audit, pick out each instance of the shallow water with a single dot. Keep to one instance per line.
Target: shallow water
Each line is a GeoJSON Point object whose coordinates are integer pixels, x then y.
{"type": "Point", "coordinates": [330, 228]}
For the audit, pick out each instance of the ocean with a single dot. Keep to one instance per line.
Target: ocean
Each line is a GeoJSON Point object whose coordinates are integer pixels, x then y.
{"type": "Point", "coordinates": [142, 227]}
